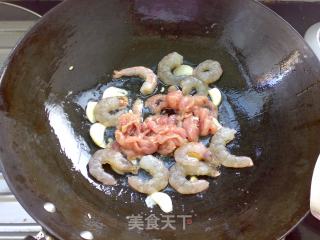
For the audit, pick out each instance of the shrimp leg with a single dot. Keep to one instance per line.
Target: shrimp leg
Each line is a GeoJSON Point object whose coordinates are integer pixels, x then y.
{"type": "Point", "coordinates": [221, 154]}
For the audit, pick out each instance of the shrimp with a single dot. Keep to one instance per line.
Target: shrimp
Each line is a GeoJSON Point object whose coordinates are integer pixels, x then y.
{"type": "Point", "coordinates": [137, 107]}
{"type": "Point", "coordinates": [105, 107]}
{"type": "Point", "coordinates": [190, 83]}
{"type": "Point", "coordinates": [115, 159]}
{"type": "Point", "coordinates": [220, 153]}
{"type": "Point", "coordinates": [208, 71]}
{"type": "Point", "coordinates": [189, 156]}
{"type": "Point", "coordinates": [147, 74]}
{"type": "Point", "coordinates": [159, 180]}
{"type": "Point", "coordinates": [178, 180]}
{"type": "Point", "coordinates": [165, 67]}
{"type": "Point", "coordinates": [157, 103]}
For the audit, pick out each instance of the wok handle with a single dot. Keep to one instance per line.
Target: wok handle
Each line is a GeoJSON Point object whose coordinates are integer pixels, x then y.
{"type": "Point", "coordinates": [315, 191]}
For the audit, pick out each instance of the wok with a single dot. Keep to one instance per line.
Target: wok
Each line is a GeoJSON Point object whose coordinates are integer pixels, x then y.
{"type": "Point", "coordinates": [270, 89]}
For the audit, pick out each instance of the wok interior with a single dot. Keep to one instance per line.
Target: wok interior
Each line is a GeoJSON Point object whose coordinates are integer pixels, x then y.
{"type": "Point", "coordinates": [269, 94]}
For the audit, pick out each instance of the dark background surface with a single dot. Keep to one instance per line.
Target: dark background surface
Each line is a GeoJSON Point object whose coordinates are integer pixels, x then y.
{"type": "Point", "coordinates": [299, 15]}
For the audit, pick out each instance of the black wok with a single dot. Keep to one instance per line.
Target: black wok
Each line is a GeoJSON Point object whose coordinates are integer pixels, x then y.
{"type": "Point", "coordinates": [270, 88]}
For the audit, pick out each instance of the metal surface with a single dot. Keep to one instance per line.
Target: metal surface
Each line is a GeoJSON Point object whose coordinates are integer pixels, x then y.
{"type": "Point", "coordinates": [71, 186]}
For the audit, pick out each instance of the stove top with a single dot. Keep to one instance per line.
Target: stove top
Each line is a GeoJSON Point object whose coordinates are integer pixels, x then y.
{"type": "Point", "coordinates": [15, 223]}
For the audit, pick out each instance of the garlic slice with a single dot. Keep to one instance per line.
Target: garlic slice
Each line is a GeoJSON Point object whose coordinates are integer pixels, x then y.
{"type": "Point", "coordinates": [163, 200]}
{"type": "Point", "coordinates": [183, 70]}
{"type": "Point", "coordinates": [90, 111]}
{"type": "Point", "coordinates": [215, 96]}
{"type": "Point", "coordinates": [97, 131]}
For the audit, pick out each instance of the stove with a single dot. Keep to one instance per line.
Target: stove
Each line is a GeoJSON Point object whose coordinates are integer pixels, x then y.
{"type": "Point", "coordinates": [15, 223]}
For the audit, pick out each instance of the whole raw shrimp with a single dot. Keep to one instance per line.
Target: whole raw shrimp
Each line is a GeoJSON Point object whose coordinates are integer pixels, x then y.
{"type": "Point", "coordinates": [221, 154]}
{"type": "Point", "coordinates": [208, 71]}
{"type": "Point", "coordinates": [156, 103]}
{"type": "Point", "coordinates": [159, 173]}
{"type": "Point", "coordinates": [178, 180]}
{"type": "Point", "coordinates": [189, 83]}
{"type": "Point", "coordinates": [115, 159]}
{"type": "Point", "coordinates": [167, 65]}
{"type": "Point", "coordinates": [190, 155]}
{"type": "Point", "coordinates": [147, 74]}
{"type": "Point", "coordinates": [104, 111]}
